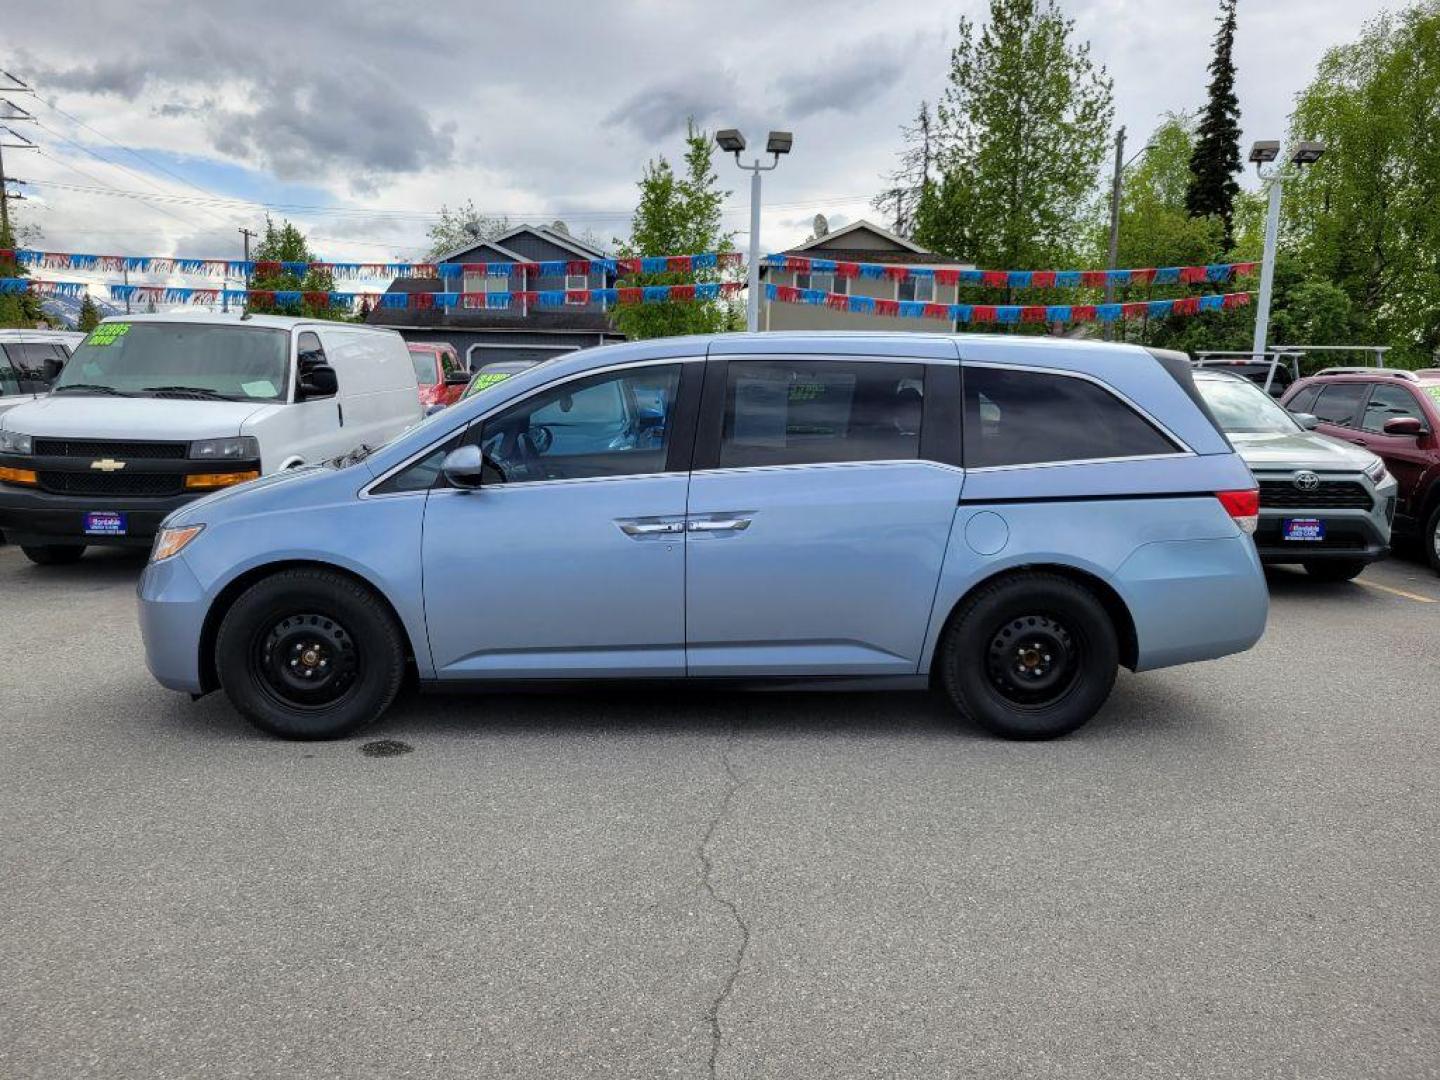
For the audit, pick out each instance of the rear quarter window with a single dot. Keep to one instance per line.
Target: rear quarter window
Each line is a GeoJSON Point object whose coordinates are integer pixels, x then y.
{"type": "Point", "coordinates": [1027, 417]}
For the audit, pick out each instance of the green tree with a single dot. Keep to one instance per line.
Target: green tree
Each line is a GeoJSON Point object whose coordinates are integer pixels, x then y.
{"type": "Point", "coordinates": [678, 214]}
{"type": "Point", "coordinates": [286, 243]}
{"type": "Point", "coordinates": [16, 309]}
{"type": "Point", "coordinates": [1156, 227]}
{"type": "Point", "coordinates": [1215, 161]}
{"type": "Point", "coordinates": [462, 226]}
{"type": "Point", "coordinates": [89, 315]}
{"type": "Point", "coordinates": [1021, 133]}
{"type": "Point", "coordinates": [1365, 216]}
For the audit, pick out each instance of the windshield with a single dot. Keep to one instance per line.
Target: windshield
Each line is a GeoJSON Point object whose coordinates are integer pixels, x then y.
{"type": "Point", "coordinates": [1242, 408]}
{"type": "Point", "coordinates": [424, 366]}
{"type": "Point", "coordinates": [244, 363]}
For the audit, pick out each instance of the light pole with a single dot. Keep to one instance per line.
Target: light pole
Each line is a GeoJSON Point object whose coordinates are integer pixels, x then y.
{"type": "Point", "coordinates": [1262, 153]}
{"type": "Point", "coordinates": [1115, 185]}
{"type": "Point", "coordinates": [732, 142]}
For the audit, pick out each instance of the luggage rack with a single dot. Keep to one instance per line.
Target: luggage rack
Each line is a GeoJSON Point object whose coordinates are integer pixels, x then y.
{"type": "Point", "coordinates": [1291, 355]}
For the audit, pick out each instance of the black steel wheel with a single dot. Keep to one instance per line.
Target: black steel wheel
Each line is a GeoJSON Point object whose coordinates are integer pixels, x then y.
{"type": "Point", "coordinates": [310, 654]}
{"type": "Point", "coordinates": [1032, 655]}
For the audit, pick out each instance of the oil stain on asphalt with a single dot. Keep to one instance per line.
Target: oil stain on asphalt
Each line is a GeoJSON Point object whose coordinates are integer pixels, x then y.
{"type": "Point", "coordinates": [385, 748]}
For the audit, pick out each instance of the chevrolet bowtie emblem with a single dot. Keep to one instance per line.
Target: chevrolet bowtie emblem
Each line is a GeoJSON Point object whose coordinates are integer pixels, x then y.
{"type": "Point", "coordinates": [107, 465]}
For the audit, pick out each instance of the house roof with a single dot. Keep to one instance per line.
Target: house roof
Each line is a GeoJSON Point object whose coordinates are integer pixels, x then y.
{"type": "Point", "coordinates": [872, 255]}
{"type": "Point", "coordinates": [564, 240]}
{"type": "Point", "coordinates": [868, 226]}
{"type": "Point", "coordinates": [537, 319]}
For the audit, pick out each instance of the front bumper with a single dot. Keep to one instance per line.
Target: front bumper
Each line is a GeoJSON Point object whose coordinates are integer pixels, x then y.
{"type": "Point", "coordinates": [172, 618]}
{"type": "Point", "coordinates": [1351, 534]}
{"type": "Point", "coordinates": [28, 516]}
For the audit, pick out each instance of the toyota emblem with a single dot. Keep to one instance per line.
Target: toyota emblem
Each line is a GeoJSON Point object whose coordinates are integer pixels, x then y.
{"type": "Point", "coordinates": [1305, 480]}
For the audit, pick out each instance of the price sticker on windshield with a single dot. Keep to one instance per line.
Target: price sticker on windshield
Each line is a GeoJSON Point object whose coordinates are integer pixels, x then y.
{"type": "Point", "coordinates": [107, 333]}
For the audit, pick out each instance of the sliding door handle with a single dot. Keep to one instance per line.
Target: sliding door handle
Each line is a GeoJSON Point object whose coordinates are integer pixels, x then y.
{"type": "Point", "coordinates": [651, 528]}
{"type": "Point", "coordinates": [704, 525]}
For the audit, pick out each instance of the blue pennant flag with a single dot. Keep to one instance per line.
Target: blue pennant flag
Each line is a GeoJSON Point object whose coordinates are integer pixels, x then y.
{"type": "Point", "coordinates": [497, 301]}
{"type": "Point", "coordinates": [972, 277]}
{"type": "Point", "coordinates": [770, 289]}
{"type": "Point", "coordinates": [822, 266]}
{"type": "Point", "coordinates": [872, 270]}
{"type": "Point", "coordinates": [1020, 279]}
{"type": "Point", "coordinates": [299, 269]}
{"type": "Point", "coordinates": [862, 305]}
{"type": "Point", "coordinates": [912, 309]}
{"type": "Point", "coordinates": [1118, 277]}
{"type": "Point", "coordinates": [1167, 275]}
{"type": "Point", "coordinates": [1067, 279]}
{"type": "Point", "coordinates": [1057, 313]}
{"type": "Point", "coordinates": [707, 261]}
{"type": "Point", "coordinates": [394, 300]}
{"type": "Point", "coordinates": [1218, 272]}
{"type": "Point", "coordinates": [288, 296]}
{"type": "Point", "coordinates": [711, 291]}
{"type": "Point", "coordinates": [550, 297]}
{"type": "Point", "coordinates": [450, 270]}
{"type": "Point", "coordinates": [1009, 313]}
{"type": "Point", "coordinates": [1213, 302]}
{"type": "Point", "coordinates": [657, 294]}
{"type": "Point", "coordinates": [342, 299]}
{"type": "Point", "coordinates": [553, 268]}
{"type": "Point", "coordinates": [1107, 312]}
{"type": "Point", "coordinates": [1158, 309]}
{"type": "Point", "coordinates": [446, 299]}
{"type": "Point", "coordinates": [960, 312]}
{"type": "Point", "coordinates": [654, 264]}
{"type": "Point", "coordinates": [117, 292]}
{"type": "Point", "coordinates": [605, 296]}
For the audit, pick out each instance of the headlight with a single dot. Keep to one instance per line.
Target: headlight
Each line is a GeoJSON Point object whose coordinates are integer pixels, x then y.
{"type": "Point", "coordinates": [170, 542]}
{"type": "Point", "coordinates": [12, 442]}
{"type": "Point", "coordinates": [1376, 471]}
{"type": "Point", "coordinates": [240, 448]}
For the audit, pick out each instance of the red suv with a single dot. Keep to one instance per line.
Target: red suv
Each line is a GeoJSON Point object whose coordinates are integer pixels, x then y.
{"type": "Point", "coordinates": [438, 370]}
{"type": "Point", "coordinates": [1396, 415]}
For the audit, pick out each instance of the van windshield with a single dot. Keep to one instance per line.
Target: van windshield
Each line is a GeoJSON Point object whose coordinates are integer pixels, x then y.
{"type": "Point", "coordinates": [146, 359]}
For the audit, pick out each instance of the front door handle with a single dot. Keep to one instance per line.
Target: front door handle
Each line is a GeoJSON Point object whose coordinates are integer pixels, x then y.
{"type": "Point", "coordinates": [651, 528]}
{"type": "Point", "coordinates": [703, 525]}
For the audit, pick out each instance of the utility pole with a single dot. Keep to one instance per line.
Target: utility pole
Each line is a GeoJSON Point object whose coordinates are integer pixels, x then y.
{"type": "Point", "coordinates": [13, 112]}
{"type": "Point", "coordinates": [246, 235]}
{"type": "Point", "coordinates": [1115, 210]}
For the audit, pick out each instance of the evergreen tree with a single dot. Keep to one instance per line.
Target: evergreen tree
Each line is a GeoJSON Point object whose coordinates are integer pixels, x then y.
{"type": "Point", "coordinates": [16, 309]}
{"type": "Point", "coordinates": [89, 315]}
{"type": "Point", "coordinates": [678, 214]}
{"type": "Point", "coordinates": [286, 243]}
{"type": "Point", "coordinates": [1022, 131]}
{"type": "Point", "coordinates": [1216, 159]}
{"type": "Point", "coordinates": [901, 200]}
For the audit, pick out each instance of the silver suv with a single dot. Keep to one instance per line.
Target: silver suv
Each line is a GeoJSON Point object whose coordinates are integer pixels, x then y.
{"type": "Point", "coordinates": [1324, 504]}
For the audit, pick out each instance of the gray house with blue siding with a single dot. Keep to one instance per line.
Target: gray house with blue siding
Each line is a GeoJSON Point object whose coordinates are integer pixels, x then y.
{"type": "Point", "coordinates": [524, 330]}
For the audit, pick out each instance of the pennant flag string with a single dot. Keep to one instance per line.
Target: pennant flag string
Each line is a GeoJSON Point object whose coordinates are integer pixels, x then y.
{"type": "Point", "coordinates": [1214, 273]}
{"type": "Point", "coordinates": [1008, 313]}
{"type": "Point", "coordinates": [157, 264]}
{"type": "Point", "coordinates": [484, 301]}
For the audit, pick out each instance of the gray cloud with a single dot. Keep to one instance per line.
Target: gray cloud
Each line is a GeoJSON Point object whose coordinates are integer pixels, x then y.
{"type": "Point", "coordinates": [866, 70]}
{"type": "Point", "coordinates": [658, 111]}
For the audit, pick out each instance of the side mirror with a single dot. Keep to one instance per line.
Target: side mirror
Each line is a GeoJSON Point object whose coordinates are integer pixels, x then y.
{"type": "Point", "coordinates": [463, 466]}
{"type": "Point", "coordinates": [457, 378]}
{"type": "Point", "coordinates": [1404, 425]}
{"type": "Point", "coordinates": [650, 416]}
{"type": "Point", "coordinates": [433, 409]}
{"type": "Point", "coordinates": [1309, 421]}
{"type": "Point", "coordinates": [317, 381]}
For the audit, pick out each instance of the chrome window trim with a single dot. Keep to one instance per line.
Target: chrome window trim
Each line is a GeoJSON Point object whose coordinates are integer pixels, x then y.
{"type": "Point", "coordinates": [1079, 461]}
{"type": "Point", "coordinates": [366, 492]}
{"type": "Point", "coordinates": [567, 481]}
{"type": "Point", "coordinates": [1185, 448]}
{"type": "Point", "coordinates": [888, 463]}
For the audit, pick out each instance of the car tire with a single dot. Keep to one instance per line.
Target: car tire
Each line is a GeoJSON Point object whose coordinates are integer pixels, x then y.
{"type": "Point", "coordinates": [53, 554]}
{"type": "Point", "coordinates": [1335, 569]}
{"type": "Point", "coordinates": [309, 654]}
{"type": "Point", "coordinates": [1031, 656]}
{"type": "Point", "coordinates": [1431, 539]}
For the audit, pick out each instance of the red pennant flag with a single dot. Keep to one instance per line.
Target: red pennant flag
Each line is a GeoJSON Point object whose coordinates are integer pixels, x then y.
{"type": "Point", "coordinates": [1092, 279]}
{"type": "Point", "coordinates": [628, 266]}
{"type": "Point", "coordinates": [731, 288]}
{"type": "Point", "coordinates": [1234, 300]}
{"type": "Point", "coordinates": [937, 311]}
{"type": "Point", "coordinates": [1187, 305]}
{"type": "Point", "coordinates": [887, 307]}
{"type": "Point", "coordinates": [1043, 279]}
{"type": "Point", "coordinates": [529, 296]}
{"type": "Point", "coordinates": [1134, 311]}
{"type": "Point", "coordinates": [1142, 277]}
{"type": "Point", "coordinates": [1083, 313]}
{"type": "Point", "coordinates": [262, 296]}
{"type": "Point", "coordinates": [837, 301]}
{"type": "Point", "coordinates": [679, 264]}
{"type": "Point", "coordinates": [1032, 313]}
{"type": "Point", "coordinates": [533, 269]}
{"type": "Point", "coordinates": [1192, 275]}
{"type": "Point", "coordinates": [847, 269]}
{"type": "Point", "coordinates": [577, 296]}
{"type": "Point", "coordinates": [267, 268]}
{"type": "Point", "coordinates": [317, 299]}
{"type": "Point", "coordinates": [947, 277]}
{"type": "Point", "coordinates": [995, 279]}
{"type": "Point", "coordinates": [682, 292]}
{"type": "Point", "coordinates": [729, 258]}
{"type": "Point", "coordinates": [632, 296]}
{"type": "Point", "coordinates": [896, 273]}
{"type": "Point", "coordinates": [787, 294]}
{"type": "Point", "coordinates": [1245, 268]}
{"type": "Point", "coordinates": [422, 301]}
{"type": "Point", "coordinates": [795, 262]}
{"type": "Point", "coordinates": [474, 269]}
{"type": "Point", "coordinates": [982, 312]}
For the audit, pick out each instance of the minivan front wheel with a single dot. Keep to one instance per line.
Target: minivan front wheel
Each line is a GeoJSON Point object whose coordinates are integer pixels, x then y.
{"type": "Point", "coordinates": [309, 654]}
{"type": "Point", "coordinates": [1031, 656]}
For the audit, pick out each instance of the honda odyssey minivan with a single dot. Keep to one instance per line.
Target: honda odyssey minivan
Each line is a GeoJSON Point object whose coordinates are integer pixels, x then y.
{"type": "Point", "coordinates": [1008, 519]}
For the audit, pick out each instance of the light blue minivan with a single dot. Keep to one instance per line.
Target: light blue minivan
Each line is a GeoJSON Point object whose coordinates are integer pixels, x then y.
{"type": "Point", "coordinates": [1005, 518]}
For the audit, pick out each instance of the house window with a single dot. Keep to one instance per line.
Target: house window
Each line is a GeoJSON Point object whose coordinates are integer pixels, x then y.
{"type": "Point", "coordinates": [576, 282]}
{"type": "Point", "coordinates": [916, 288]}
{"type": "Point", "coordinates": [826, 282]}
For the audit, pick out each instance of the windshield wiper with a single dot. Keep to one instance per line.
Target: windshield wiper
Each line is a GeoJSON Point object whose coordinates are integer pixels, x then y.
{"type": "Point", "coordinates": [92, 388]}
{"type": "Point", "coordinates": [186, 391]}
{"type": "Point", "coordinates": [352, 457]}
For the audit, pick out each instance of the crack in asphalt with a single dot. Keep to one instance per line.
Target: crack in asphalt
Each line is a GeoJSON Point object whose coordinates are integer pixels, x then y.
{"type": "Point", "coordinates": [707, 869]}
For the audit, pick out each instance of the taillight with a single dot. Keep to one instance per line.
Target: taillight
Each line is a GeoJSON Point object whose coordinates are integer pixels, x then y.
{"type": "Point", "coordinates": [1243, 507]}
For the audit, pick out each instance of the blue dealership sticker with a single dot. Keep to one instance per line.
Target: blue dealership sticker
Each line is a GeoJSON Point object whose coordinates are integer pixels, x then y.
{"type": "Point", "coordinates": [1303, 529]}
{"type": "Point", "coordinates": [105, 523]}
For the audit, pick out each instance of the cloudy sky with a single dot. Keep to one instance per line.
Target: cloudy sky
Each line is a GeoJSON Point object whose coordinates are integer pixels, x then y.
{"type": "Point", "coordinates": [358, 120]}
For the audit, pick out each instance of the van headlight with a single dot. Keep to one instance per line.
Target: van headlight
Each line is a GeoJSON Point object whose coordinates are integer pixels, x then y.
{"type": "Point", "coordinates": [12, 442]}
{"type": "Point", "coordinates": [170, 542]}
{"type": "Point", "coordinates": [239, 448]}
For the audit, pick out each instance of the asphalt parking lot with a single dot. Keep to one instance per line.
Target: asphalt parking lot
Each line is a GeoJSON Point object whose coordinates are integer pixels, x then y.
{"type": "Point", "coordinates": [1231, 873]}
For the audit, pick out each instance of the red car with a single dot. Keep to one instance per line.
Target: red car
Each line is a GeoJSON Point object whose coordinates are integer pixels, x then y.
{"type": "Point", "coordinates": [1395, 415]}
{"type": "Point", "coordinates": [438, 370]}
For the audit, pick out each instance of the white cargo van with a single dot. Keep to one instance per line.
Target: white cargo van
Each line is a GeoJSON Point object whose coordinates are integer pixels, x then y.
{"type": "Point", "coordinates": [155, 410]}
{"type": "Point", "coordinates": [30, 360]}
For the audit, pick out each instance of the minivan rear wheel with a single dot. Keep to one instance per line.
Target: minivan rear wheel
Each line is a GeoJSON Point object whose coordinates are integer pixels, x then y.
{"type": "Point", "coordinates": [1031, 656]}
{"type": "Point", "coordinates": [309, 654]}
{"type": "Point", "coordinates": [53, 554]}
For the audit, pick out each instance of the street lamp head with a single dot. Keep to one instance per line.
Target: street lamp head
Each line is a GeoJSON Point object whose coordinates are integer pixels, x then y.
{"type": "Point", "coordinates": [1264, 152]}
{"type": "Point", "coordinates": [779, 143]}
{"type": "Point", "coordinates": [1307, 153]}
{"type": "Point", "coordinates": [730, 140]}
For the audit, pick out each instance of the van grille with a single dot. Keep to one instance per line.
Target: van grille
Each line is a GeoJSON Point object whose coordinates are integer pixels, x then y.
{"type": "Point", "coordinates": [90, 448]}
{"type": "Point", "coordinates": [1330, 495]}
{"type": "Point", "coordinates": [79, 483]}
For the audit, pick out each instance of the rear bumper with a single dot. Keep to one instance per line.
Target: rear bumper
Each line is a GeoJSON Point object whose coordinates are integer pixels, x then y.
{"type": "Point", "coordinates": [28, 516]}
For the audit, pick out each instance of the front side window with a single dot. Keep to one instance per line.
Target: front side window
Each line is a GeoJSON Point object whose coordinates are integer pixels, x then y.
{"type": "Point", "coordinates": [1387, 403]}
{"type": "Point", "coordinates": [1338, 401]}
{"type": "Point", "coordinates": [808, 412]}
{"type": "Point", "coordinates": [615, 424]}
{"type": "Point", "coordinates": [450, 362]}
{"type": "Point", "coordinates": [35, 362]}
{"type": "Point", "coordinates": [1303, 400]}
{"type": "Point", "coordinates": [1030, 417]}
{"type": "Point", "coordinates": [1242, 408]}
{"type": "Point", "coordinates": [424, 361]}
{"type": "Point", "coordinates": [242, 363]}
